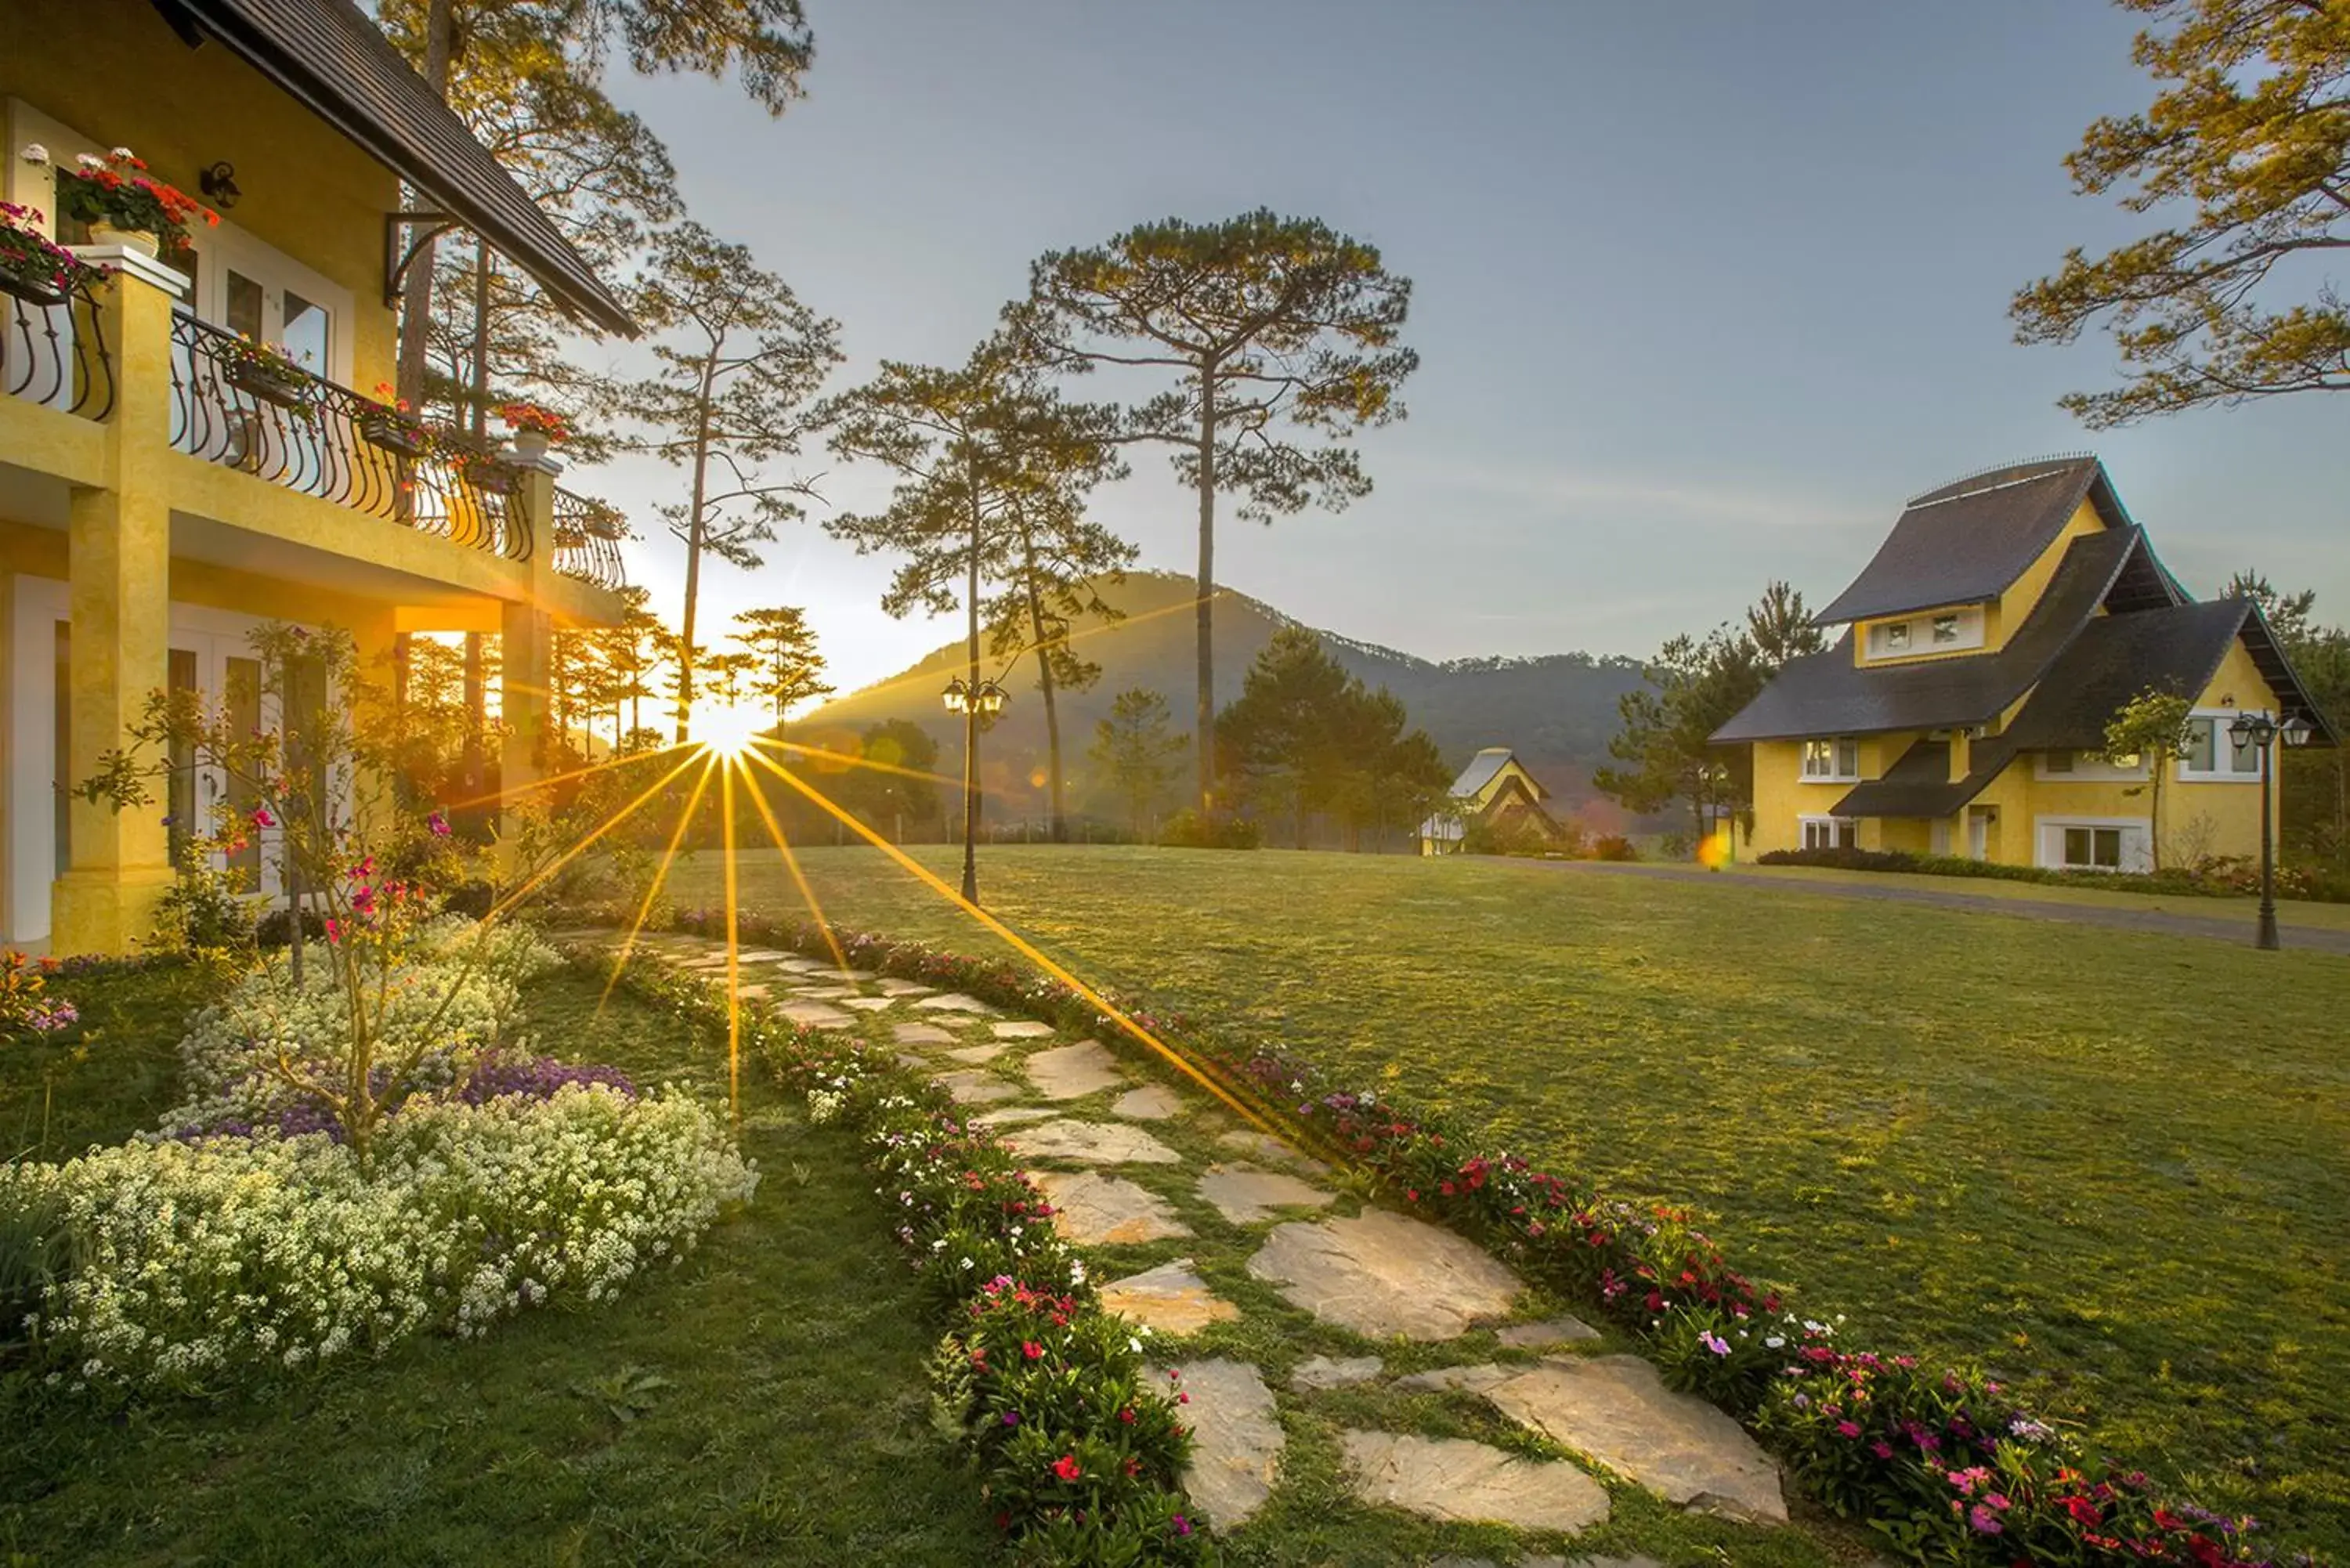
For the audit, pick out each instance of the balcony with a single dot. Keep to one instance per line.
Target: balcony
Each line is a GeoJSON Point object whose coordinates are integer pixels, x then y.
{"type": "Point", "coordinates": [305, 433]}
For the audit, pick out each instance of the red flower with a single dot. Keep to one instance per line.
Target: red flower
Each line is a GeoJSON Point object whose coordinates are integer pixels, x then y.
{"type": "Point", "coordinates": [1067, 1468]}
{"type": "Point", "coordinates": [1031, 1349]}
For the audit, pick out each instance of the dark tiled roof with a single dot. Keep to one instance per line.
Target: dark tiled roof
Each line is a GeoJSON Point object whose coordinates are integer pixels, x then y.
{"type": "Point", "coordinates": [1921, 775]}
{"type": "Point", "coordinates": [1967, 542]}
{"type": "Point", "coordinates": [2177, 650]}
{"type": "Point", "coordinates": [328, 54]}
{"type": "Point", "coordinates": [1827, 694]}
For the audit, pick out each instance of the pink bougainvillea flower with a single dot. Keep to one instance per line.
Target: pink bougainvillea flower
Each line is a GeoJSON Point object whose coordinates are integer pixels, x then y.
{"type": "Point", "coordinates": [261, 818]}
{"type": "Point", "coordinates": [438, 824]}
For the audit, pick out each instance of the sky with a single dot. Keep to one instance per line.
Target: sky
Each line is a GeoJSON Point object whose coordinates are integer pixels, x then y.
{"type": "Point", "coordinates": [1702, 292]}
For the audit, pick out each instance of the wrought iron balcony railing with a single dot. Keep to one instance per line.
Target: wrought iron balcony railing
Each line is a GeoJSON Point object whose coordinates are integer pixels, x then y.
{"type": "Point", "coordinates": [305, 432]}
{"type": "Point", "coordinates": [587, 535]}
{"type": "Point", "coordinates": [53, 351]}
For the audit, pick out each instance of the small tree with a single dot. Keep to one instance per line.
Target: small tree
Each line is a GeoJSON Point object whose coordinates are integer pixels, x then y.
{"type": "Point", "coordinates": [1277, 330]}
{"type": "Point", "coordinates": [781, 646]}
{"type": "Point", "coordinates": [2153, 727]}
{"type": "Point", "coordinates": [739, 357]}
{"type": "Point", "coordinates": [1138, 751]}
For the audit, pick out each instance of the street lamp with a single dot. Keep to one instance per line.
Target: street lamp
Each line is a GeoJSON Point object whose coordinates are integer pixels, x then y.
{"type": "Point", "coordinates": [2262, 730]}
{"type": "Point", "coordinates": [973, 698]}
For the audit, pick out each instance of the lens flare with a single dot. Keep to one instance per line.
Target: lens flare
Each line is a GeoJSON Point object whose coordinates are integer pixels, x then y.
{"type": "Point", "coordinates": [728, 731]}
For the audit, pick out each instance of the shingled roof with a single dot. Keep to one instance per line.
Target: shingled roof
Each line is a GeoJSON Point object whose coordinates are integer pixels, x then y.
{"type": "Point", "coordinates": [1968, 541]}
{"type": "Point", "coordinates": [2177, 650]}
{"type": "Point", "coordinates": [1829, 694]}
{"type": "Point", "coordinates": [331, 56]}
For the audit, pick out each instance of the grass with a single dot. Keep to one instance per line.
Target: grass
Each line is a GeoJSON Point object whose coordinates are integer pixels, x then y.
{"type": "Point", "coordinates": [2109, 1165]}
{"type": "Point", "coordinates": [763, 1404]}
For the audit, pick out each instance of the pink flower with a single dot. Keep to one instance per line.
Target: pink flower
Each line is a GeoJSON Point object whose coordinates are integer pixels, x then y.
{"type": "Point", "coordinates": [1715, 1342]}
{"type": "Point", "coordinates": [1985, 1522]}
{"type": "Point", "coordinates": [1182, 1525]}
{"type": "Point", "coordinates": [1848, 1429]}
{"type": "Point", "coordinates": [438, 824]}
{"type": "Point", "coordinates": [261, 818]}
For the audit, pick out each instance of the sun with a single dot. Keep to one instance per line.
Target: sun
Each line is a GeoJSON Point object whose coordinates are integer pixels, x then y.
{"type": "Point", "coordinates": [728, 731]}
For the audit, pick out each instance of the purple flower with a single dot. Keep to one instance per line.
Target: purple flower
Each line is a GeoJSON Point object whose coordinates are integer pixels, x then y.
{"type": "Point", "coordinates": [1985, 1522]}
{"type": "Point", "coordinates": [1715, 1342]}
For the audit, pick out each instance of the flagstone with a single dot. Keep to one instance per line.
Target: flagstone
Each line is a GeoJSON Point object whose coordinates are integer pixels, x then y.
{"type": "Point", "coordinates": [1236, 1440]}
{"type": "Point", "coordinates": [1475, 1379]}
{"type": "Point", "coordinates": [867, 1004]}
{"type": "Point", "coordinates": [978, 1054]}
{"type": "Point", "coordinates": [1383, 1274]}
{"type": "Point", "coordinates": [956, 1002]}
{"type": "Point", "coordinates": [1073, 1072]}
{"type": "Point", "coordinates": [1561, 1330]}
{"type": "Point", "coordinates": [1094, 1210]}
{"type": "Point", "coordinates": [803, 966]}
{"type": "Point", "coordinates": [1264, 1145]}
{"type": "Point", "coordinates": [1245, 1195]}
{"type": "Point", "coordinates": [1012, 1115]}
{"type": "Point", "coordinates": [1024, 1029]}
{"type": "Point", "coordinates": [1616, 1409]}
{"type": "Point", "coordinates": [1169, 1299]}
{"type": "Point", "coordinates": [830, 992]}
{"type": "Point", "coordinates": [1454, 1479]}
{"type": "Point", "coordinates": [901, 988]}
{"type": "Point", "coordinates": [1151, 1103]}
{"type": "Point", "coordinates": [975, 1086]}
{"type": "Point", "coordinates": [921, 1035]}
{"type": "Point", "coordinates": [1092, 1143]}
{"type": "Point", "coordinates": [755, 992]}
{"type": "Point", "coordinates": [1335, 1372]}
{"type": "Point", "coordinates": [815, 1014]}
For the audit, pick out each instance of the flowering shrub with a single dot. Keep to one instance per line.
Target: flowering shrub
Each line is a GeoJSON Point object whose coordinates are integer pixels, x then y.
{"type": "Point", "coordinates": [196, 1261]}
{"type": "Point", "coordinates": [23, 1010]}
{"type": "Point", "coordinates": [1045, 1390]}
{"type": "Point", "coordinates": [116, 190]}
{"type": "Point", "coordinates": [1873, 1436]}
{"type": "Point", "coordinates": [252, 1060]}
{"type": "Point", "coordinates": [521, 416]}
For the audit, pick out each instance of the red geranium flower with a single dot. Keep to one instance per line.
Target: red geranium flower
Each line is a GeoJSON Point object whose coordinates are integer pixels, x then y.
{"type": "Point", "coordinates": [1067, 1468]}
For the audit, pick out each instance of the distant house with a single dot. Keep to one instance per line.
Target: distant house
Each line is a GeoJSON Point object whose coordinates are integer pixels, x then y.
{"type": "Point", "coordinates": [2000, 625]}
{"type": "Point", "coordinates": [1496, 791]}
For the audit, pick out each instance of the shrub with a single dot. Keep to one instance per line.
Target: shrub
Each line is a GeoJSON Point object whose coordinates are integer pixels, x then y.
{"type": "Point", "coordinates": [2216, 877]}
{"type": "Point", "coordinates": [1613, 847]}
{"type": "Point", "coordinates": [1187, 830]}
{"type": "Point", "coordinates": [198, 1261]}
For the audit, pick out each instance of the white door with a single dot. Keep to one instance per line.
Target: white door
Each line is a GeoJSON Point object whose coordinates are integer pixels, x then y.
{"type": "Point", "coordinates": [220, 670]}
{"type": "Point", "coordinates": [1978, 833]}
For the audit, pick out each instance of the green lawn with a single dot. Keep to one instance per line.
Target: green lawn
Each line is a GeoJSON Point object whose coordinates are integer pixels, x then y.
{"type": "Point", "coordinates": [763, 1404]}
{"type": "Point", "coordinates": [2114, 1167]}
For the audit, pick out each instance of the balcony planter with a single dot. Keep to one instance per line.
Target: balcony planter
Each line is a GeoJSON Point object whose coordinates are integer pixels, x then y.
{"type": "Point", "coordinates": [268, 386]}
{"type": "Point", "coordinates": [528, 445]}
{"type": "Point", "coordinates": [39, 291]}
{"type": "Point", "coordinates": [604, 523]}
{"type": "Point", "coordinates": [105, 233]}
{"type": "Point", "coordinates": [392, 434]}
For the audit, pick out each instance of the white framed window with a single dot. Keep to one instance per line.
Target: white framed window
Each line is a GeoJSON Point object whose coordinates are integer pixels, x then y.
{"type": "Point", "coordinates": [2213, 755]}
{"type": "Point", "coordinates": [1828, 832]}
{"type": "Point", "coordinates": [1891, 637]}
{"type": "Point", "coordinates": [2086, 767]}
{"type": "Point", "coordinates": [2112, 844]}
{"type": "Point", "coordinates": [1833, 759]}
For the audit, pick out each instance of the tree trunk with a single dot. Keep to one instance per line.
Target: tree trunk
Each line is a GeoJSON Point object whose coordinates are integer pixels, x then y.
{"type": "Point", "coordinates": [416, 301]}
{"type": "Point", "coordinates": [481, 421]}
{"type": "Point", "coordinates": [1204, 720]}
{"type": "Point", "coordinates": [1052, 713]}
{"type": "Point", "coordinates": [971, 721]}
{"type": "Point", "coordinates": [693, 556]}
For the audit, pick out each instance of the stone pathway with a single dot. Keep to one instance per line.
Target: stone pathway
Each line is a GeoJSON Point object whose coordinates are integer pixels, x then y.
{"type": "Point", "coordinates": [1266, 1278]}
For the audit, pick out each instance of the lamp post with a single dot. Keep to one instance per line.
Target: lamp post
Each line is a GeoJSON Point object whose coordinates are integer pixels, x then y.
{"type": "Point", "coordinates": [2262, 731]}
{"type": "Point", "coordinates": [974, 699]}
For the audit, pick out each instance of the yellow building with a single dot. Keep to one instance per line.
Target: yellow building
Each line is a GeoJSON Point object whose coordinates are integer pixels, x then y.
{"type": "Point", "coordinates": [1998, 627]}
{"type": "Point", "coordinates": [1496, 791]}
{"type": "Point", "coordinates": [156, 503]}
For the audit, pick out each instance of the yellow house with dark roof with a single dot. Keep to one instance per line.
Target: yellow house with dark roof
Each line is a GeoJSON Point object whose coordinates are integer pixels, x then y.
{"type": "Point", "coordinates": [1496, 791]}
{"type": "Point", "coordinates": [156, 502]}
{"type": "Point", "coordinates": [1997, 630]}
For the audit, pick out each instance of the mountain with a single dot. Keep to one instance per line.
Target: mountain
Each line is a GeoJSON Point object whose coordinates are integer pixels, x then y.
{"type": "Point", "coordinates": [1557, 712]}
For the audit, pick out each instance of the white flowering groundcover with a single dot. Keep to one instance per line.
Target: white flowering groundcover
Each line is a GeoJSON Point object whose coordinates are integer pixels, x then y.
{"type": "Point", "coordinates": [201, 1258]}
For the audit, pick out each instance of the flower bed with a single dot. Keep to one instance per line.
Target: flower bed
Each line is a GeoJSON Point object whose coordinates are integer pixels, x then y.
{"type": "Point", "coordinates": [246, 1233]}
{"type": "Point", "coordinates": [1046, 1391]}
{"type": "Point", "coordinates": [1943, 1464]}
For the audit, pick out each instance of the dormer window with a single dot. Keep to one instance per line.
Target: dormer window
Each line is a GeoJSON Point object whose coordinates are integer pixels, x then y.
{"type": "Point", "coordinates": [1941, 631]}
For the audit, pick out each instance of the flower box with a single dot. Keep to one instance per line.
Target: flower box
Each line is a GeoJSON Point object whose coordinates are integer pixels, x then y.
{"type": "Point", "coordinates": [604, 523]}
{"type": "Point", "coordinates": [39, 291]}
{"type": "Point", "coordinates": [268, 386]}
{"type": "Point", "coordinates": [392, 434]}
